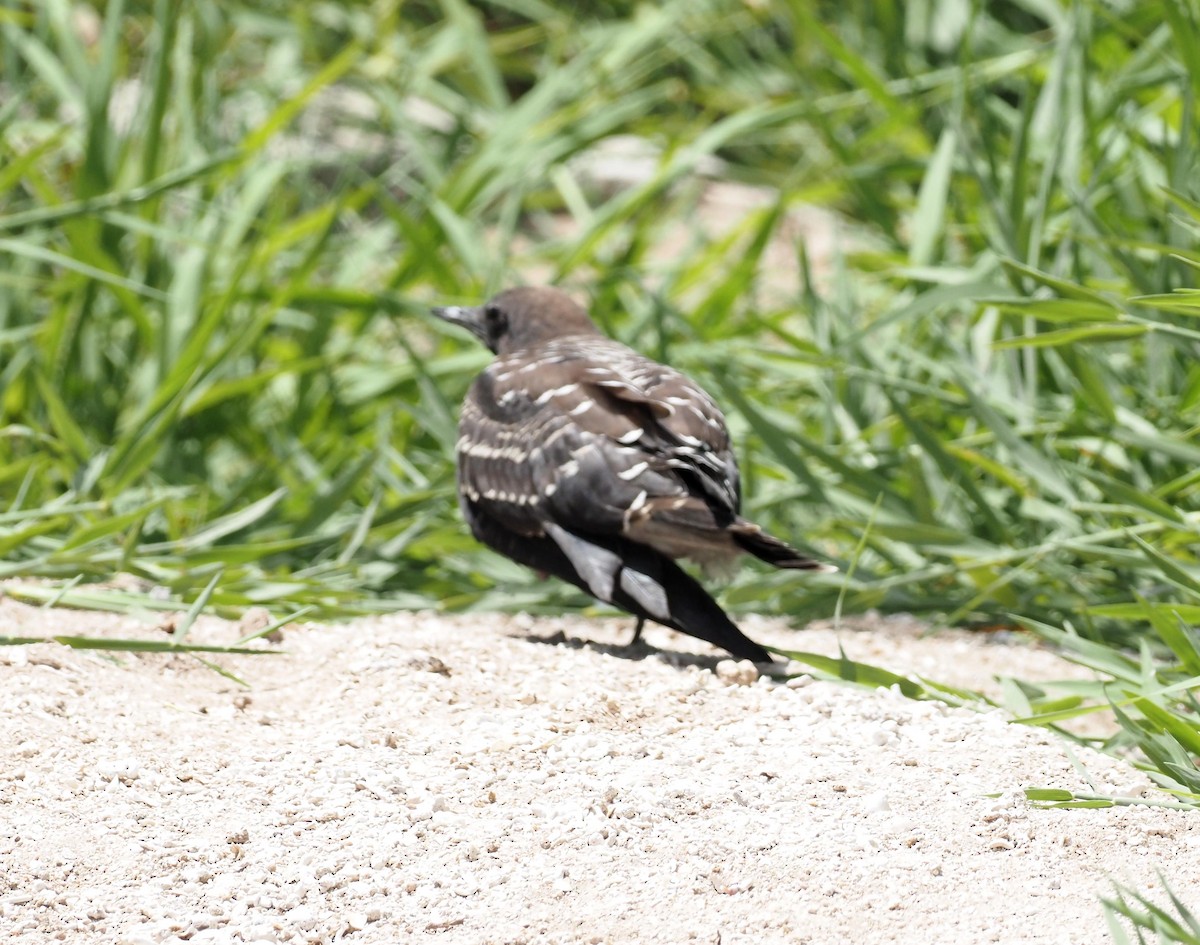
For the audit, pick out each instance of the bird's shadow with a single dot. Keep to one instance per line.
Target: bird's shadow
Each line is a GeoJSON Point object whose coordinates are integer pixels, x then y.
{"type": "Point", "coordinates": [635, 651]}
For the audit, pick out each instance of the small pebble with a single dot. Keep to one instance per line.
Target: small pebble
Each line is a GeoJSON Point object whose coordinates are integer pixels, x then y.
{"type": "Point", "coordinates": [741, 673]}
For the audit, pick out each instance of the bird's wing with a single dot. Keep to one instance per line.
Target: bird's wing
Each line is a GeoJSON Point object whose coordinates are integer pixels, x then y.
{"type": "Point", "coordinates": [600, 442]}
{"type": "Point", "coordinates": [539, 443]}
{"type": "Point", "coordinates": [665, 417]}
{"type": "Point", "coordinates": [685, 427]}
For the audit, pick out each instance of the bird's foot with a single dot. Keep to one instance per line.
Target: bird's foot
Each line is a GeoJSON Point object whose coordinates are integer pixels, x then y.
{"type": "Point", "coordinates": [637, 630]}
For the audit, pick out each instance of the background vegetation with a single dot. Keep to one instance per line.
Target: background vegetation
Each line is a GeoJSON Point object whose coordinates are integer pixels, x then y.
{"type": "Point", "coordinates": [221, 226]}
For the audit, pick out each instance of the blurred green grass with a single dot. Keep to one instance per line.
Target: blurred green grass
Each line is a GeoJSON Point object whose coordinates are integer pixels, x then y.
{"type": "Point", "coordinates": [221, 226]}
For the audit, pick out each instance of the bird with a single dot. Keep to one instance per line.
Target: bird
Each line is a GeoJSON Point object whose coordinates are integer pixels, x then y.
{"type": "Point", "coordinates": [581, 458]}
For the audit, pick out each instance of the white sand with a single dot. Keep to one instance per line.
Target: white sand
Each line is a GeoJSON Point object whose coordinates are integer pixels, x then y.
{"type": "Point", "coordinates": [417, 776]}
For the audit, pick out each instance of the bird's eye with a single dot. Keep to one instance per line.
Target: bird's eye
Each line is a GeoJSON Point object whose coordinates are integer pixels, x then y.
{"type": "Point", "coordinates": [495, 318]}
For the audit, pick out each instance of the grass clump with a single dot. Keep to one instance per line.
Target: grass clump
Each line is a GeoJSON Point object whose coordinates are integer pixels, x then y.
{"type": "Point", "coordinates": [1149, 921]}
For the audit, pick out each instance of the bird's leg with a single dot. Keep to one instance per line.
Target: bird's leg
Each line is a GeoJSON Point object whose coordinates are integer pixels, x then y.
{"type": "Point", "coordinates": [637, 630]}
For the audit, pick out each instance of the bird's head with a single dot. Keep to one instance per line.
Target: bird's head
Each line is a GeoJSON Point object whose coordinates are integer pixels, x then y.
{"type": "Point", "coordinates": [521, 318]}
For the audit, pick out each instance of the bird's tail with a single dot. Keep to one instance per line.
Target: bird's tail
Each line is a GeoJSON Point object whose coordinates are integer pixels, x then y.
{"type": "Point", "coordinates": [627, 574]}
{"type": "Point", "coordinates": [690, 608]}
{"type": "Point", "coordinates": [648, 584]}
{"type": "Point", "coordinates": [750, 538]}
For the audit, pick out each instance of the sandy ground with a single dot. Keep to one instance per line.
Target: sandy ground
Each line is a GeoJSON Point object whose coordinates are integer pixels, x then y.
{"type": "Point", "coordinates": [474, 781]}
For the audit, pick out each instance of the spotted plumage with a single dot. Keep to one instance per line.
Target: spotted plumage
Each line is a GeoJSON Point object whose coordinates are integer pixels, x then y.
{"type": "Point", "coordinates": [581, 458]}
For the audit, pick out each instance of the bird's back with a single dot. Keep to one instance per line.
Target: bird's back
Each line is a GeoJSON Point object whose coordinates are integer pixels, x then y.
{"type": "Point", "coordinates": [589, 433]}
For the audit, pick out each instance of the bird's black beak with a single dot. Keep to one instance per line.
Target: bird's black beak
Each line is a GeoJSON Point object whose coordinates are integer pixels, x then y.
{"type": "Point", "coordinates": [469, 318]}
